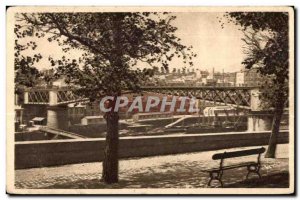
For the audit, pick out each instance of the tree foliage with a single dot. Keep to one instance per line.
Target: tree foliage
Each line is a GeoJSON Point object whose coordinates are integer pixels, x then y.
{"type": "Point", "coordinates": [113, 43]}
{"type": "Point", "coordinates": [267, 50]}
{"type": "Point", "coordinates": [26, 74]}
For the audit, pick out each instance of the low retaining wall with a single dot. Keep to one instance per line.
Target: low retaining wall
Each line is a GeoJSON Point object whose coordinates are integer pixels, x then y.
{"type": "Point", "coordinates": [70, 151]}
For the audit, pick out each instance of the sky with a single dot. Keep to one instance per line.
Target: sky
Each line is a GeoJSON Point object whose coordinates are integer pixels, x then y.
{"type": "Point", "coordinates": [216, 47]}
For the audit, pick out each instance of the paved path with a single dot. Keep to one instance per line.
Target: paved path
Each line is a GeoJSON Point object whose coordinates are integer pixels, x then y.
{"type": "Point", "coordinates": [171, 171]}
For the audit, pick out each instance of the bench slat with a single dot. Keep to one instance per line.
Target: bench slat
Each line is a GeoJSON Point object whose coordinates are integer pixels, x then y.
{"type": "Point", "coordinates": [234, 154]}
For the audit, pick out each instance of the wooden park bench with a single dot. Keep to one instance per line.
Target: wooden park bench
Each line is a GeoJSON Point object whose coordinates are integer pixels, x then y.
{"type": "Point", "coordinates": [252, 167]}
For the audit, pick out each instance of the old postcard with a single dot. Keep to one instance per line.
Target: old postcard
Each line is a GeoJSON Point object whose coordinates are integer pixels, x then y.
{"type": "Point", "coordinates": [150, 100]}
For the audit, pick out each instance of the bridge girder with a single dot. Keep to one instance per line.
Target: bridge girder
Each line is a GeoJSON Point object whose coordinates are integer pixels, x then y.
{"type": "Point", "coordinates": [236, 96]}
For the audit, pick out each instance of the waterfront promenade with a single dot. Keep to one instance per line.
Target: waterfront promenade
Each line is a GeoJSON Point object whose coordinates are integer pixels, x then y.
{"type": "Point", "coordinates": [170, 171]}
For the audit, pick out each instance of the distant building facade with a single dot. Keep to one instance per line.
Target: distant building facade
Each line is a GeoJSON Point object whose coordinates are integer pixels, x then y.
{"type": "Point", "coordinates": [249, 77]}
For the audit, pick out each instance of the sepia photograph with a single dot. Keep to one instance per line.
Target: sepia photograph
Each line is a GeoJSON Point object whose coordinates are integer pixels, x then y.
{"type": "Point", "coordinates": [150, 100]}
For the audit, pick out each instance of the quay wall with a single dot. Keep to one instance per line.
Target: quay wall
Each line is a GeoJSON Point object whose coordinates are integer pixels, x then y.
{"type": "Point", "coordinates": [32, 154]}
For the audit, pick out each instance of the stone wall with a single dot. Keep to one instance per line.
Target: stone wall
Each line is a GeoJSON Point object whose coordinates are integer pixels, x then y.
{"type": "Point", "coordinates": [59, 152]}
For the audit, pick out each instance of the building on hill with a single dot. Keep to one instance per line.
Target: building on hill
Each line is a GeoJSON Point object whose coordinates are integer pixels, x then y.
{"type": "Point", "coordinates": [249, 77]}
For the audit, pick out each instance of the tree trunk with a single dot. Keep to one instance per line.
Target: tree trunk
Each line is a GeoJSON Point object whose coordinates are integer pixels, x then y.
{"type": "Point", "coordinates": [275, 131]}
{"type": "Point", "coordinates": [111, 158]}
{"type": "Point", "coordinates": [110, 162]}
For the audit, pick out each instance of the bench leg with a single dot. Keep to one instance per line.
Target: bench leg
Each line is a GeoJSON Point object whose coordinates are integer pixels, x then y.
{"type": "Point", "coordinates": [253, 169]}
{"type": "Point", "coordinates": [215, 176]}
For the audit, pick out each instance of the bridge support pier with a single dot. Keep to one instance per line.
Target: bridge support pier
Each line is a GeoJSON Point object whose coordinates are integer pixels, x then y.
{"type": "Point", "coordinates": [258, 120]}
{"type": "Point", "coordinates": [53, 97]}
{"type": "Point", "coordinates": [57, 117]}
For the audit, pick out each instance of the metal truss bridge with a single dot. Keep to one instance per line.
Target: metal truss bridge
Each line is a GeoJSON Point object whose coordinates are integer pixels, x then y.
{"type": "Point", "coordinates": [51, 96]}
{"type": "Point", "coordinates": [234, 96]}
{"type": "Point", "coordinates": [219, 95]}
